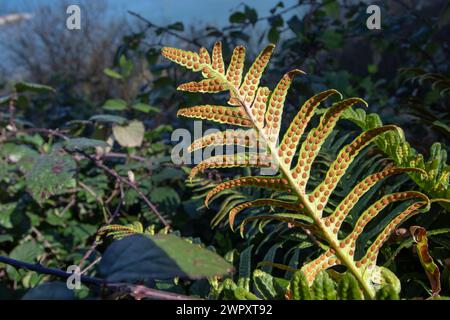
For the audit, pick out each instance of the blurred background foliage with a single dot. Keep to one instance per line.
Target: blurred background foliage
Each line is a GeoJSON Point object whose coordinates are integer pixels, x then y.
{"type": "Point", "coordinates": [110, 73]}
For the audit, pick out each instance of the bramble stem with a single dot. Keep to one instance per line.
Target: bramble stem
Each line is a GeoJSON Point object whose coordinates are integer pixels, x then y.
{"type": "Point", "coordinates": [137, 291]}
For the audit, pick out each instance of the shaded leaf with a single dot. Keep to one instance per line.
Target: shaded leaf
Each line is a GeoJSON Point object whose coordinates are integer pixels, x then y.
{"type": "Point", "coordinates": [115, 105]}
{"type": "Point", "coordinates": [140, 257]}
{"type": "Point", "coordinates": [50, 174]}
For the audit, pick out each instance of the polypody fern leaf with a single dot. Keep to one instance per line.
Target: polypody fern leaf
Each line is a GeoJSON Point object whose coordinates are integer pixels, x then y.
{"type": "Point", "coordinates": [261, 110]}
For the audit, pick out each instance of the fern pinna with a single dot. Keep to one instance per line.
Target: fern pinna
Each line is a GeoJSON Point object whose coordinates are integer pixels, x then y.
{"type": "Point", "coordinates": [259, 110]}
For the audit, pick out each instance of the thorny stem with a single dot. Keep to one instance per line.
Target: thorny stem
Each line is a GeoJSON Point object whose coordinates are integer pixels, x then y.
{"type": "Point", "coordinates": [109, 221]}
{"type": "Point", "coordinates": [130, 184]}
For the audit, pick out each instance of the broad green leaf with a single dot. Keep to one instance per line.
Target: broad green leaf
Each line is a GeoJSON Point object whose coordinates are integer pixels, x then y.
{"type": "Point", "coordinates": [28, 252]}
{"type": "Point", "coordinates": [274, 35]}
{"type": "Point", "coordinates": [130, 135]}
{"type": "Point", "coordinates": [140, 257]}
{"type": "Point", "coordinates": [143, 107]}
{"type": "Point", "coordinates": [50, 174]}
{"type": "Point", "coordinates": [33, 87]}
{"type": "Point", "coordinates": [115, 105]}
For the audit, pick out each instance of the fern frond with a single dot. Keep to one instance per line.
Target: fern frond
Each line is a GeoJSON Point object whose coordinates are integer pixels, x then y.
{"type": "Point", "coordinates": [204, 86]}
{"type": "Point", "coordinates": [117, 231]}
{"type": "Point", "coordinates": [276, 104]}
{"type": "Point", "coordinates": [245, 138]}
{"type": "Point", "coordinates": [344, 207]}
{"type": "Point", "coordinates": [342, 162]}
{"type": "Point", "coordinates": [276, 183]}
{"type": "Point", "coordinates": [261, 203]}
{"type": "Point", "coordinates": [220, 114]}
{"type": "Point", "coordinates": [236, 67]}
{"type": "Point", "coordinates": [232, 161]}
{"type": "Point", "coordinates": [291, 138]}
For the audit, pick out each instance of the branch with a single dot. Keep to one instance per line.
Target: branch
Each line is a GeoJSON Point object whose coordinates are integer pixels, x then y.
{"type": "Point", "coordinates": [50, 271]}
{"type": "Point", "coordinates": [166, 30]}
{"type": "Point", "coordinates": [137, 291]}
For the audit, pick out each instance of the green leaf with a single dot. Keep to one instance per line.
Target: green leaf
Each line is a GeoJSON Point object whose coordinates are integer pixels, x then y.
{"type": "Point", "coordinates": [143, 107]}
{"type": "Point", "coordinates": [112, 74]}
{"type": "Point", "coordinates": [83, 144]}
{"type": "Point", "coordinates": [295, 24]}
{"type": "Point", "coordinates": [28, 252]}
{"type": "Point", "coordinates": [237, 17]}
{"type": "Point", "coordinates": [348, 288]}
{"type": "Point", "coordinates": [299, 287]}
{"type": "Point", "coordinates": [269, 287]}
{"type": "Point", "coordinates": [140, 257]}
{"type": "Point", "coordinates": [251, 14]}
{"type": "Point", "coordinates": [245, 261]}
{"type": "Point", "coordinates": [50, 174]}
{"type": "Point", "coordinates": [6, 238]}
{"type": "Point", "coordinates": [115, 105]}
{"type": "Point", "coordinates": [165, 196]}
{"type": "Point", "coordinates": [109, 118]}
{"type": "Point", "coordinates": [126, 66]}
{"type": "Point", "coordinates": [130, 135]}
{"type": "Point", "coordinates": [33, 87]}
{"type": "Point", "coordinates": [4, 100]}
{"type": "Point", "coordinates": [331, 39]}
{"type": "Point", "coordinates": [332, 8]}
{"type": "Point", "coordinates": [273, 35]}
{"type": "Point", "coordinates": [387, 292]}
{"type": "Point", "coordinates": [6, 211]}
{"type": "Point", "coordinates": [442, 125]}
{"type": "Point", "coordinates": [55, 290]}
{"type": "Point", "coordinates": [178, 26]}
{"type": "Point", "coordinates": [323, 287]}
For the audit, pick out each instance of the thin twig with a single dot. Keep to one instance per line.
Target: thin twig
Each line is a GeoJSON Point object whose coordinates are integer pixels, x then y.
{"type": "Point", "coordinates": [126, 181]}
{"type": "Point", "coordinates": [137, 291]}
{"type": "Point", "coordinates": [166, 30]}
